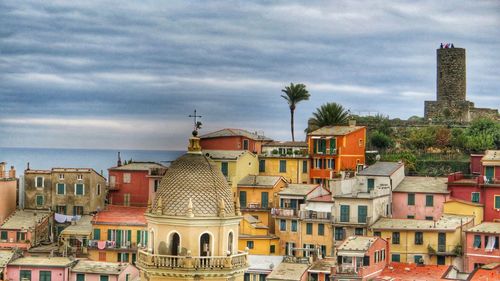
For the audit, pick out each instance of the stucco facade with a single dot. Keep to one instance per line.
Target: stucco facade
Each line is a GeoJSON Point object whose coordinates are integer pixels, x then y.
{"type": "Point", "coordinates": [8, 189]}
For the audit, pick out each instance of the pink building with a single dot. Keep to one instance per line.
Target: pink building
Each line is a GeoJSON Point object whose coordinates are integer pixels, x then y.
{"type": "Point", "coordinates": [360, 258]}
{"type": "Point", "coordinates": [86, 270]}
{"type": "Point", "coordinates": [8, 189]}
{"type": "Point", "coordinates": [39, 269]}
{"type": "Point", "coordinates": [482, 245]}
{"type": "Point", "coordinates": [419, 198]}
{"type": "Point", "coordinates": [25, 229]}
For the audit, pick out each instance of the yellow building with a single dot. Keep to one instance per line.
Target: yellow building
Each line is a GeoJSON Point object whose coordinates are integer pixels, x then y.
{"type": "Point", "coordinates": [234, 164]}
{"type": "Point", "coordinates": [118, 232]}
{"type": "Point", "coordinates": [464, 208]}
{"type": "Point", "coordinates": [431, 242]}
{"type": "Point", "coordinates": [193, 224]}
{"type": "Point", "coordinates": [255, 236]}
{"type": "Point", "coordinates": [287, 159]}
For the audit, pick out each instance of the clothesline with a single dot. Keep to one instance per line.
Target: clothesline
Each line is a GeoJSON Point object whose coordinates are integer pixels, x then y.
{"type": "Point", "coordinates": [61, 218]}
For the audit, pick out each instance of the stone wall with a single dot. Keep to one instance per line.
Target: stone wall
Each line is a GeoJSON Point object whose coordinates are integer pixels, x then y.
{"type": "Point", "coordinates": [451, 74]}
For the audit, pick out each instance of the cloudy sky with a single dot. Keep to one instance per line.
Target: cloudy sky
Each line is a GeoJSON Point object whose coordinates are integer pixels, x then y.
{"type": "Point", "coordinates": [118, 74]}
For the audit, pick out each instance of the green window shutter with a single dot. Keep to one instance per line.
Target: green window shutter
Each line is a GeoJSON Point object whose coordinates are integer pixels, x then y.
{"type": "Point", "coordinates": [396, 258]}
{"type": "Point", "coordinates": [146, 237]}
{"type": "Point", "coordinates": [321, 229]}
{"type": "Point", "coordinates": [243, 199]}
{"type": "Point", "coordinates": [272, 249]}
{"type": "Point", "coordinates": [282, 166]}
{"type": "Point", "coordinates": [429, 200]}
{"type": "Point", "coordinates": [489, 172]}
{"type": "Point", "coordinates": [294, 225]}
{"type": "Point", "coordinates": [45, 275]}
{"type": "Point", "coordinates": [411, 199]}
{"type": "Point", "coordinates": [332, 146]}
{"type": "Point", "coordinates": [362, 213]}
{"type": "Point", "coordinates": [371, 184]}
{"type": "Point", "coordinates": [477, 241]}
{"type": "Point", "coordinates": [262, 166]}
{"type": "Point", "coordinates": [60, 188]}
{"type": "Point", "coordinates": [97, 234]}
{"type": "Point", "coordinates": [119, 238]}
{"type": "Point", "coordinates": [129, 235]}
{"type": "Point", "coordinates": [109, 235]}
{"type": "Point", "coordinates": [224, 168]}
{"type": "Point", "coordinates": [265, 199]}
{"type": "Point", "coordinates": [315, 144]}
{"type": "Point", "coordinates": [4, 235]}
{"type": "Point", "coordinates": [344, 213]}
{"type": "Point", "coordinates": [475, 197]}
{"type": "Point", "coordinates": [304, 166]}
{"type": "Point", "coordinates": [497, 202]}
{"type": "Point", "coordinates": [309, 228]}
{"type": "Point", "coordinates": [25, 274]}
{"type": "Point", "coordinates": [104, 278]}
{"type": "Point", "coordinates": [39, 200]}
{"type": "Point", "coordinates": [80, 277]}
{"type": "Point", "coordinates": [138, 237]}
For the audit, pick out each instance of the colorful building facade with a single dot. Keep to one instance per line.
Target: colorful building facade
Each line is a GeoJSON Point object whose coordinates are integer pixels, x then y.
{"type": "Point", "coordinates": [8, 189]}
{"type": "Point", "coordinates": [25, 229]}
{"type": "Point", "coordinates": [233, 139]}
{"type": "Point", "coordinates": [287, 159]}
{"type": "Point", "coordinates": [482, 245]}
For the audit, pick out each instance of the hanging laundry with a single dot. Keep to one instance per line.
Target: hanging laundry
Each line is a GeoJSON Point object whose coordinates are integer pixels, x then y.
{"type": "Point", "coordinates": [60, 218]}
{"type": "Point", "coordinates": [101, 245]}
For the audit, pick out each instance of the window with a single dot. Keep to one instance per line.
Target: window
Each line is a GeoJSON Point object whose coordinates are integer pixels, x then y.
{"type": "Point", "coordinates": [360, 142]}
{"type": "Point", "coordinates": [489, 172]}
{"type": "Point", "coordinates": [294, 226]}
{"type": "Point", "coordinates": [418, 259]}
{"type": "Point", "coordinates": [243, 199]}
{"type": "Point", "coordinates": [246, 277]}
{"type": "Point", "coordinates": [61, 176]}
{"type": "Point", "coordinates": [61, 209]}
{"type": "Point", "coordinates": [282, 166]}
{"type": "Point", "coordinates": [79, 189]}
{"type": "Point", "coordinates": [80, 277]}
{"type": "Point", "coordinates": [121, 237]}
{"type": "Point", "coordinates": [323, 254]}
{"type": "Point", "coordinates": [25, 274]}
{"type": "Point", "coordinates": [224, 168]}
{"type": "Point", "coordinates": [395, 238]}
{"type": "Point", "coordinates": [429, 218]}
{"type": "Point", "coordinates": [321, 229]}
{"type": "Point", "coordinates": [429, 200]}
{"type": "Point", "coordinates": [497, 202]}
{"type": "Point", "coordinates": [44, 275]}
{"type": "Point", "coordinates": [339, 233]}
{"type": "Point", "coordinates": [102, 256]}
{"type": "Point", "coordinates": [98, 189]}
{"type": "Point", "coordinates": [396, 258]}
{"type": "Point", "coordinates": [264, 199]}
{"type": "Point", "coordinates": [61, 188]}
{"type": "Point", "coordinates": [127, 277]}
{"type": "Point", "coordinates": [358, 231]}
{"type": "Point", "coordinates": [122, 257]}
{"type": "Point", "coordinates": [262, 166]}
{"type": "Point", "coordinates": [441, 260]}
{"type": "Point", "coordinates": [39, 181]}
{"type": "Point", "coordinates": [304, 166]}
{"type": "Point", "coordinates": [282, 225]}
{"type": "Point", "coordinates": [475, 197]}
{"type": "Point", "coordinates": [362, 212]}
{"type": "Point", "coordinates": [21, 236]}
{"type": "Point", "coordinates": [333, 150]}
{"type": "Point", "coordinates": [410, 217]}
{"type": "Point", "coordinates": [156, 185]}
{"type": "Point", "coordinates": [309, 228]}
{"type": "Point", "coordinates": [419, 238]}
{"type": "Point", "coordinates": [377, 234]}
{"type": "Point", "coordinates": [371, 184]}
{"type": "Point", "coordinates": [366, 260]}
{"type": "Point", "coordinates": [104, 278]}
{"type": "Point", "coordinates": [344, 213]}
{"type": "Point", "coordinates": [411, 199]}
{"type": "Point", "coordinates": [4, 235]}
{"type": "Point", "coordinates": [477, 241]}
{"type": "Point", "coordinates": [290, 249]}
{"type": "Point", "coordinates": [77, 210]}
{"type": "Point", "coordinates": [97, 234]}
{"type": "Point", "coordinates": [330, 164]}
{"type": "Point", "coordinates": [39, 200]}
{"type": "Point", "coordinates": [250, 244]}
{"type": "Point", "coordinates": [272, 249]}
{"type": "Point", "coordinates": [245, 144]}
{"type": "Point", "coordinates": [142, 237]}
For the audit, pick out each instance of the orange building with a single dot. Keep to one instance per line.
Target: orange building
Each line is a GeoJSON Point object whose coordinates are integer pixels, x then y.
{"type": "Point", "coordinates": [335, 148]}
{"type": "Point", "coordinates": [233, 139]}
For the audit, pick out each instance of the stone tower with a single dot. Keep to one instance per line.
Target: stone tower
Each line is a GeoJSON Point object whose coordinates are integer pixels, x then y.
{"type": "Point", "coordinates": [451, 82]}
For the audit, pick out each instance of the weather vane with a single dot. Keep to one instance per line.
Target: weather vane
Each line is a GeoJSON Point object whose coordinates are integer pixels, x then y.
{"type": "Point", "coordinates": [197, 124]}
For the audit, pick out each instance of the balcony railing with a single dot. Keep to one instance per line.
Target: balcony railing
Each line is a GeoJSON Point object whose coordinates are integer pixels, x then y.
{"type": "Point", "coordinates": [257, 206]}
{"type": "Point", "coordinates": [148, 260]}
{"type": "Point", "coordinates": [313, 215]}
{"type": "Point", "coordinates": [444, 250]}
{"type": "Point", "coordinates": [352, 220]}
{"type": "Point", "coordinates": [288, 213]}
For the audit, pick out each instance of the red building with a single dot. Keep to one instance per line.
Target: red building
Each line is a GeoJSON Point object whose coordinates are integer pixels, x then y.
{"type": "Point", "coordinates": [407, 272]}
{"type": "Point", "coordinates": [135, 183]}
{"type": "Point", "coordinates": [360, 258]}
{"type": "Point", "coordinates": [334, 149]}
{"type": "Point", "coordinates": [482, 245]}
{"type": "Point", "coordinates": [483, 188]}
{"type": "Point", "coordinates": [233, 139]}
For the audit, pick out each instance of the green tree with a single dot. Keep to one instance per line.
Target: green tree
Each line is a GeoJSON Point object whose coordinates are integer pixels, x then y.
{"type": "Point", "coordinates": [380, 140]}
{"type": "Point", "coordinates": [422, 138]}
{"type": "Point", "coordinates": [329, 114]}
{"type": "Point", "coordinates": [293, 95]}
{"type": "Point", "coordinates": [484, 126]}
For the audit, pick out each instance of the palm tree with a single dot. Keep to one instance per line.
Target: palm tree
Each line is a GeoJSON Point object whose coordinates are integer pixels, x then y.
{"type": "Point", "coordinates": [293, 95]}
{"type": "Point", "coordinates": [329, 114]}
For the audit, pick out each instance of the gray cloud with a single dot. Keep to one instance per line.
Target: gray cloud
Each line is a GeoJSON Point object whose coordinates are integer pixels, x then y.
{"type": "Point", "coordinates": [109, 68]}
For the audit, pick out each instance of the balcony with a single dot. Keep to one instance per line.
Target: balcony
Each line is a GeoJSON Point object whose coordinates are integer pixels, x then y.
{"type": "Point", "coordinates": [352, 220]}
{"type": "Point", "coordinates": [286, 213]}
{"type": "Point", "coordinates": [347, 269]}
{"type": "Point", "coordinates": [111, 245]}
{"type": "Point", "coordinates": [317, 216]}
{"type": "Point", "coordinates": [255, 206]}
{"type": "Point", "coordinates": [444, 250]}
{"type": "Point", "coordinates": [148, 260]}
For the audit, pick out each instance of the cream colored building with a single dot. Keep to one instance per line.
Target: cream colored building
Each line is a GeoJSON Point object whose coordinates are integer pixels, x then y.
{"type": "Point", "coordinates": [193, 224]}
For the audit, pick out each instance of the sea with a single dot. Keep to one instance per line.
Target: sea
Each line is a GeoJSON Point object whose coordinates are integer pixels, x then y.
{"type": "Point", "coordinates": [98, 159]}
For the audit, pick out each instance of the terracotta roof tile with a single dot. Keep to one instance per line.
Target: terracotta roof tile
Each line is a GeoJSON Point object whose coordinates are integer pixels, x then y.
{"type": "Point", "coordinates": [407, 272]}
{"type": "Point", "coordinates": [121, 215]}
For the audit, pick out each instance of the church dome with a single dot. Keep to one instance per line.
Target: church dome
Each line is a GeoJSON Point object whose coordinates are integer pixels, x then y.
{"type": "Point", "coordinates": [193, 184]}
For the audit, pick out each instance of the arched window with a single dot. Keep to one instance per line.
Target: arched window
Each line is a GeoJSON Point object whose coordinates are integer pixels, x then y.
{"type": "Point", "coordinates": [205, 245]}
{"type": "Point", "coordinates": [175, 242]}
{"type": "Point", "coordinates": [230, 243]}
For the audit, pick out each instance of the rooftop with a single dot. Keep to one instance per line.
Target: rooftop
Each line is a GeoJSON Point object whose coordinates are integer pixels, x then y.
{"type": "Point", "coordinates": [423, 185]}
{"type": "Point", "coordinates": [259, 263]}
{"type": "Point", "coordinates": [357, 243]}
{"type": "Point", "coordinates": [286, 144]}
{"type": "Point", "coordinates": [24, 219]}
{"type": "Point", "coordinates": [381, 169]}
{"type": "Point", "coordinates": [335, 130]}
{"type": "Point", "coordinates": [139, 166]}
{"type": "Point", "coordinates": [486, 227]}
{"type": "Point", "coordinates": [42, 261]}
{"type": "Point", "coordinates": [298, 189]}
{"type": "Point", "coordinates": [446, 222]}
{"type": "Point", "coordinates": [224, 154]}
{"type": "Point", "coordinates": [323, 198]}
{"type": "Point", "coordinates": [5, 257]}
{"type": "Point", "coordinates": [491, 155]}
{"type": "Point", "coordinates": [407, 272]}
{"type": "Point", "coordinates": [486, 273]}
{"type": "Point", "coordinates": [121, 215]}
{"type": "Point", "coordinates": [259, 181]}
{"type": "Point", "coordinates": [323, 266]}
{"type": "Point", "coordinates": [254, 222]}
{"type": "Point", "coordinates": [87, 266]}
{"type": "Point", "coordinates": [228, 132]}
{"type": "Point", "coordinates": [81, 227]}
{"type": "Point", "coordinates": [288, 271]}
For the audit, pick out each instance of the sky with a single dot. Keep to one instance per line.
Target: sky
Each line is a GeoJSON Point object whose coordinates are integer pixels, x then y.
{"type": "Point", "coordinates": [126, 74]}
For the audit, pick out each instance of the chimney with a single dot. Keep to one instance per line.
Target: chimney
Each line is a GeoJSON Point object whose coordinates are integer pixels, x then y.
{"type": "Point", "coordinates": [352, 123]}
{"type": "Point", "coordinates": [12, 172]}
{"type": "Point", "coordinates": [387, 251]}
{"type": "Point", "coordinates": [28, 166]}
{"type": "Point", "coordinates": [2, 169]}
{"type": "Point", "coordinates": [119, 162]}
